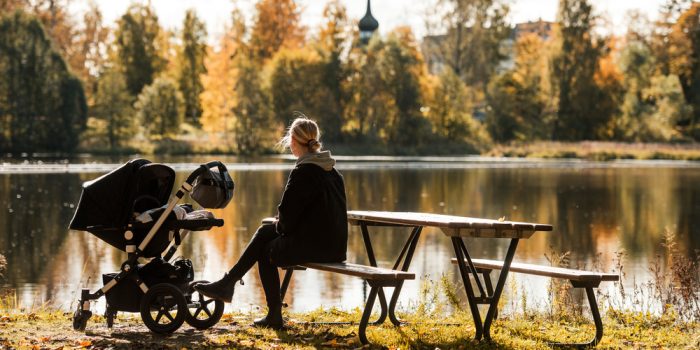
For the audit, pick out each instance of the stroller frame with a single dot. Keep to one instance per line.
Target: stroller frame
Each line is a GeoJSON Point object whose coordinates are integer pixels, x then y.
{"type": "Point", "coordinates": [170, 296]}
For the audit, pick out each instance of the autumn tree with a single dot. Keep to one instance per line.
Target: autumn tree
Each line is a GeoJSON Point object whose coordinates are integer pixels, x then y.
{"type": "Point", "coordinates": [474, 31]}
{"type": "Point", "coordinates": [42, 105]}
{"type": "Point", "coordinates": [137, 47]}
{"type": "Point", "coordinates": [660, 37]}
{"type": "Point", "coordinates": [90, 52]}
{"type": "Point", "coordinates": [159, 108]}
{"type": "Point", "coordinates": [191, 58]}
{"type": "Point", "coordinates": [684, 52]}
{"type": "Point", "coordinates": [276, 25]}
{"type": "Point", "coordinates": [218, 93]}
{"type": "Point", "coordinates": [58, 25]}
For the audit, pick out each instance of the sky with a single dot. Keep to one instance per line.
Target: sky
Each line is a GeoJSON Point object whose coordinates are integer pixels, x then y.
{"type": "Point", "coordinates": [389, 13]}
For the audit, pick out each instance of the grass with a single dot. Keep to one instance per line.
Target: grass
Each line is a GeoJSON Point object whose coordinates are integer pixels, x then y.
{"type": "Point", "coordinates": [51, 329]}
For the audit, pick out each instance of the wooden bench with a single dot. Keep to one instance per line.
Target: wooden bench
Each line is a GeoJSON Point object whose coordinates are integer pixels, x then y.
{"type": "Point", "coordinates": [376, 277]}
{"type": "Point", "coordinates": [578, 278]}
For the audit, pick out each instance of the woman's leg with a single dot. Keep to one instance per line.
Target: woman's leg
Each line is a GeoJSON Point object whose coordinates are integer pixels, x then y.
{"type": "Point", "coordinates": [223, 288]}
{"type": "Point", "coordinates": [256, 248]}
{"type": "Point", "coordinates": [270, 280]}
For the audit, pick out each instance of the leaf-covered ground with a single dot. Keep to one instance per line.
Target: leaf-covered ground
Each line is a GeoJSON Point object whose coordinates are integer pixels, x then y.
{"type": "Point", "coordinates": [52, 330]}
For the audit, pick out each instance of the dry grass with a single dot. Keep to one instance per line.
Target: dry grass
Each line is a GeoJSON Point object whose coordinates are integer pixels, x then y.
{"type": "Point", "coordinates": [599, 151]}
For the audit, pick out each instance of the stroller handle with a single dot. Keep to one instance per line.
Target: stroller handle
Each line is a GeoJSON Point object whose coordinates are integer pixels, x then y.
{"type": "Point", "coordinates": [205, 167]}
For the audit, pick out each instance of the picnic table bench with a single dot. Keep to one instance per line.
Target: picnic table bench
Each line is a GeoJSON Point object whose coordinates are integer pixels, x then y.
{"type": "Point", "coordinates": [578, 279]}
{"type": "Point", "coordinates": [376, 278]}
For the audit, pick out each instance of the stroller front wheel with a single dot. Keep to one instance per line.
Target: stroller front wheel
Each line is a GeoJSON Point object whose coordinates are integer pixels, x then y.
{"type": "Point", "coordinates": [203, 312]}
{"type": "Point", "coordinates": [80, 318]}
{"type": "Point", "coordinates": [163, 308]}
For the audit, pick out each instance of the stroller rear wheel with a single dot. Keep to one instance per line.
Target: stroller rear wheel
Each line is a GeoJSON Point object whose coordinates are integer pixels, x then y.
{"type": "Point", "coordinates": [203, 312]}
{"type": "Point", "coordinates": [163, 308]}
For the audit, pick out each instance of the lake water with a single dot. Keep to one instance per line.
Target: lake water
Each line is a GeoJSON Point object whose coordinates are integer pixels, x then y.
{"type": "Point", "coordinates": [597, 210]}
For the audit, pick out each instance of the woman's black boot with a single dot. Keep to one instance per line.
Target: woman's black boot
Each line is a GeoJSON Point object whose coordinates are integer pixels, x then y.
{"type": "Point", "coordinates": [221, 289]}
{"type": "Point", "coordinates": [273, 319]}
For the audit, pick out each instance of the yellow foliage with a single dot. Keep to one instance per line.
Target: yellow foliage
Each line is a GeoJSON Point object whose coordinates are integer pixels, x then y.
{"type": "Point", "coordinates": [218, 97]}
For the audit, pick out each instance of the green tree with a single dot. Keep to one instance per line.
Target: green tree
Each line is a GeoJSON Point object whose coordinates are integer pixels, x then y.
{"type": "Point", "coordinates": [254, 126]}
{"type": "Point", "coordinates": [652, 103]}
{"type": "Point", "coordinates": [332, 41]}
{"type": "Point", "coordinates": [296, 84]}
{"type": "Point", "coordinates": [191, 58]}
{"type": "Point", "coordinates": [113, 105]}
{"type": "Point", "coordinates": [137, 47]}
{"type": "Point", "coordinates": [451, 109]}
{"type": "Point", "coordinates": [574, 65]}
{"type": "Point", "coordinates": [475, 32]}
{"type": "Point", "coordinates": [401, 67]}
{"type": "Point", "coordinates": [42, 105]}
{"type": "Point", "coordinates": [159, 108]}
{"type": "Point", "coordinates": [517, 108]}
{"type": "Point", "coordinates": [367, 104]}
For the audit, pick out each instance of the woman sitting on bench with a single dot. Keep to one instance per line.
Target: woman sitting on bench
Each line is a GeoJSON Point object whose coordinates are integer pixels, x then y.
{"type": "Point", "coordinates": [311, 223]}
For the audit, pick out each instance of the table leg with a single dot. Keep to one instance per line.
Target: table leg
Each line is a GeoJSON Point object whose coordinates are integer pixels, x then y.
{"type": "Point", "coordinates": [493, 306]}
{"type": "Point", "coordinates": [460, 254]}
{"type": "Point", "coordinates": [408, 249]}
{"type": "Point", "coordinates": [373, 262]}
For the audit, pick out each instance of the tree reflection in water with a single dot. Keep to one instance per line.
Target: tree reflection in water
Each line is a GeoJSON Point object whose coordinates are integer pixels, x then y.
{"type": "Point", "coordinates": [595, 211]}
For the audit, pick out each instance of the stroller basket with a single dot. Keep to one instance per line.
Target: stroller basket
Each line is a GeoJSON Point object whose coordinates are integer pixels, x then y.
{"type": "Point", "coordinates": [132, 209]}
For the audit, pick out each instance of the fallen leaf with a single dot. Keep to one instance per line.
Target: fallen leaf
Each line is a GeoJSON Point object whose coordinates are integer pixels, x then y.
{"type": "Point", "coordinates": [85, 343]}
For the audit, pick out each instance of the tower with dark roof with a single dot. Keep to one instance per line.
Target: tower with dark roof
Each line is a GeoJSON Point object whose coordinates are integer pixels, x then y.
{"type": "Point", "coordinates": [368, 25]}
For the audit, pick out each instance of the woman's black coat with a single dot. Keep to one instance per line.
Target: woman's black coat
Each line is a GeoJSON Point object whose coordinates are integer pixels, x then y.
{"type": "Point", "coordinates": [312, 218]}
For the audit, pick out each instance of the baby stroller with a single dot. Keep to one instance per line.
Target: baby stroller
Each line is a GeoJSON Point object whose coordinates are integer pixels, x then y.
{"type": "Point", "coordinates": [132, 209]}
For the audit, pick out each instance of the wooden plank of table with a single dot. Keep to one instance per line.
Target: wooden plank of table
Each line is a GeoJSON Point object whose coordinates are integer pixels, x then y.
{"type": "Point", "coordinates": [451, 225]}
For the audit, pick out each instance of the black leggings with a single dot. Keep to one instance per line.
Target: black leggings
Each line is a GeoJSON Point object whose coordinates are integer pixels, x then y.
{"type": "Point", "coordinates": [258, 250]}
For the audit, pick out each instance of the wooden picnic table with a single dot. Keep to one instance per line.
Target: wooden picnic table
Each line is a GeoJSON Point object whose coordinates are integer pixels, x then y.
{"type": "Point", "coordinates": [456, 228]}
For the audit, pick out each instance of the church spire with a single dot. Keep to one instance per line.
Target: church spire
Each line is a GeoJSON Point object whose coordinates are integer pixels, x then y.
{"type": "Point", "coordinates": [368, 25]}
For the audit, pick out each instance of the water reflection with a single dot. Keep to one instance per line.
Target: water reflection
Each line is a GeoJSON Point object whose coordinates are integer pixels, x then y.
{"type": "Point", "coordinates": [596, 212]}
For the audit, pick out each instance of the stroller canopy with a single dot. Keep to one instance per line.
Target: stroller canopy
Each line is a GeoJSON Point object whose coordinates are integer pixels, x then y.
{"type": "Point", "coordinates": [109, 201]}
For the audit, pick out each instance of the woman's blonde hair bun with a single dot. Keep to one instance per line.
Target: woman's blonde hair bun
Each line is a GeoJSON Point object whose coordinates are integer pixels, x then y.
{"type": "Point", "coordinates": [305, 131]}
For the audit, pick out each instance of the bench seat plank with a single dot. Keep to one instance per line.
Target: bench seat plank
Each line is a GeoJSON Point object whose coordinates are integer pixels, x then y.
{"type": "Point", "coordinates": [362, 271]}
{"type": "Point", "coordinates": [547, 271]}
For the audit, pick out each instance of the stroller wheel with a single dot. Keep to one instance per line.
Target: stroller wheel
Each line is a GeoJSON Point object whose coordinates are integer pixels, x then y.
{"type": "Point", "coordinates": [163, 308]}
{"type": "Point", "coordinates": [203, 312]}
{"type": "Point", "coordinates": [80, 318]}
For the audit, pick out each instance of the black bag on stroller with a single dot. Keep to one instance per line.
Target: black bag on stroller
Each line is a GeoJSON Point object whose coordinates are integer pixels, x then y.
{"type": "Point", "coordinates": [131, 209]}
